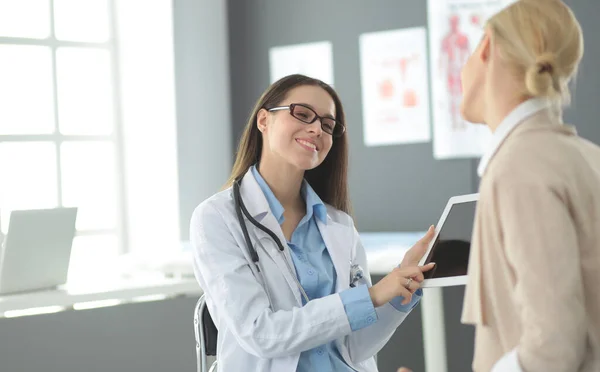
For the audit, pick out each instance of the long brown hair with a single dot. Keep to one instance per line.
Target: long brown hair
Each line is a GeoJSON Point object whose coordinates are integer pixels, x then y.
{"type": "Point", "coordinates": [330, 178]}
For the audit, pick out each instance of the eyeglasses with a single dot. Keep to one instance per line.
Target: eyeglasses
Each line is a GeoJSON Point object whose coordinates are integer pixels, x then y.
{"type": "Point", "coordinates": [307, 115]}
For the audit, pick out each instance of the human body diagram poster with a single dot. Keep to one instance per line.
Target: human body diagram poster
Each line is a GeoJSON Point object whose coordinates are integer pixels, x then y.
{"type": "Point", "coordinates": [455, 29]}
{"type": "Point", "coordinates": [395, 87]}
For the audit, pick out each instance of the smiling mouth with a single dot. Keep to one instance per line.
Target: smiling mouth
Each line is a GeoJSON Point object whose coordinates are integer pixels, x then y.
{"type": "Point", "coordinates": [307, 145]}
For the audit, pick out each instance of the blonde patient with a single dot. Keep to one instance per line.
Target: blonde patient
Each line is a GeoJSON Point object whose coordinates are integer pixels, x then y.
{"type": "Point", "coordinates": [534, 273]}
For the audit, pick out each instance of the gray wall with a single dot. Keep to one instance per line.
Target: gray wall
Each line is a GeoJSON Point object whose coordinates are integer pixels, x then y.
{"type": "Point", "coordinates": [203, 106]}
{"type": "Point", "coordinates": [584, 112]}
{"type": "Point", "coordinates": [411, 188]}
{"type": "Point", "coordinates": [144, 337]}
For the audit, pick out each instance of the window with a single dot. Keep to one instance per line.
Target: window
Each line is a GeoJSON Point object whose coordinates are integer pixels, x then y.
{"type": "Point", "coordinates": [60, 142]}
{"type": "Point", "coordinates": [87, 119]}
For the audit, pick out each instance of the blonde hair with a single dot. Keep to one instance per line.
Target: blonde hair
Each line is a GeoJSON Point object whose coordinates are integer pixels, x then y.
{"type": "Point", "coordinates": [542, 42]}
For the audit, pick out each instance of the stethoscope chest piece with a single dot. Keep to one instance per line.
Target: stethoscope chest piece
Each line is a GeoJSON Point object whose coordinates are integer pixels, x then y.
{"type": "Point", "coordinates": [356, 274]}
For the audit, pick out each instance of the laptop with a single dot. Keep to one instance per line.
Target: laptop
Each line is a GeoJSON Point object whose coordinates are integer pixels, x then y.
{"type": "Point", "coordinates": [451, 244]}
{"type": "Point", "coordinates": [37, 249]}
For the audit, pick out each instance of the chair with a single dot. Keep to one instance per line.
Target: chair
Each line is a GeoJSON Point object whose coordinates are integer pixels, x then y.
{"type": "Point", "coordinates": [206, 336]}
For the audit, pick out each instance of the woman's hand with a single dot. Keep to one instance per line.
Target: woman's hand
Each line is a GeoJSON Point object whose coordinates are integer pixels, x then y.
{"type": "Point", "coordinates": [400, 282]}
{"type": "Point", "coordinates": [413, 256]}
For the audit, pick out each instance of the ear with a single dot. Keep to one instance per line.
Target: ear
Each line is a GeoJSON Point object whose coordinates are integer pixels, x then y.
{"type": "Point", "coordinates": [485, 47]}
{"type": "Point", "coordinates": [261, 120]}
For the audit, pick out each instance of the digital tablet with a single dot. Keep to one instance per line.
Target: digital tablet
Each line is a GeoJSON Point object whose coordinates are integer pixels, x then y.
{"type": "Point", "coordinates": [451, 244]}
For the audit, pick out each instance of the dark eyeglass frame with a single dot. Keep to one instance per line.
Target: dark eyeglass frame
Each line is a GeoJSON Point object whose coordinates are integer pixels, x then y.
{"type": "Point", "coordinates": [291, 107]}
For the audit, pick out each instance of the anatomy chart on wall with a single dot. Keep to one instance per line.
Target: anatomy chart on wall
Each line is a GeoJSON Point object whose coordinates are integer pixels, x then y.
{"type": "Point", "coordinates": [394, 87]}
{"type": "Point", "coordinates": [310, 59]}
{"type": "Point", "coordinates": [455, 29]}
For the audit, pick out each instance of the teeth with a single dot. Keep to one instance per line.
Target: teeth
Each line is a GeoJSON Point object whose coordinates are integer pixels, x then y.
{"type": "Point", "coordinates": [306, 143]}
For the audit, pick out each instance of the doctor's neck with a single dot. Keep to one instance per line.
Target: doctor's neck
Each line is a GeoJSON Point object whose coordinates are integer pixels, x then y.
{"type": "Point", "coordinates": [285, 181]}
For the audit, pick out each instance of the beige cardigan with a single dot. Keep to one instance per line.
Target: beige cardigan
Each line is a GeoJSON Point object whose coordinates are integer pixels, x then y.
{"type": "Point", "coordinates": [534, 270]}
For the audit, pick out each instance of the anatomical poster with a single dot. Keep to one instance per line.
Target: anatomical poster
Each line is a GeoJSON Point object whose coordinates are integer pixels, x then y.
{"type": "Point", "coordinates": [455, 29]}
{"type": "Point", "coordinates": [310, 59]}
{"type": "Point", "coordinates": [394, 79]}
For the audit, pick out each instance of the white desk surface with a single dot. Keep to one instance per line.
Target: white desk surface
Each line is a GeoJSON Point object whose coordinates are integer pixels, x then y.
{"type": "Point", "coordinates": [116, 291]}
{"type": "Point", "coordinates": [384, 252]}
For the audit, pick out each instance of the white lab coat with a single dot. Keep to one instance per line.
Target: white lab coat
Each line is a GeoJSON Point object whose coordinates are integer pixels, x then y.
{"type": "Point", "coordinates": [262, 325]}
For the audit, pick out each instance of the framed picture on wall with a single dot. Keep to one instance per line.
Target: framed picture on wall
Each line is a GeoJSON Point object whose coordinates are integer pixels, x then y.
{"type": "Point", "coordinates": [455, 29]}
{"type": "Point", "coordinates": [395, 87]}
{"type": "Point", "coordinates": [310, 59]}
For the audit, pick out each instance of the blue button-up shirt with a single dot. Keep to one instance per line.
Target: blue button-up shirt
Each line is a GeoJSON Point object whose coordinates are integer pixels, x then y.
{"type": "Point", "coordinates": [316, 274]}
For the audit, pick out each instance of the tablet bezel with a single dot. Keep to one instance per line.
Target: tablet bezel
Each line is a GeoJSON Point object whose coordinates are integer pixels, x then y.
{"type": "Point", "coordinates": [450, 280]}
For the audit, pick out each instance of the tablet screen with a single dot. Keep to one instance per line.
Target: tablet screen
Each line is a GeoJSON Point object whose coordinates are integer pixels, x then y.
{"type": "Point", "coordinates": [451, 248]}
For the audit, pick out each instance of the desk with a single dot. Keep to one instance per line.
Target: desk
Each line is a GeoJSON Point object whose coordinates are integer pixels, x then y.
{"type": "Point", "coordinates": [384, 251]}
{"type": "Point", "coordinates": [112, 291]}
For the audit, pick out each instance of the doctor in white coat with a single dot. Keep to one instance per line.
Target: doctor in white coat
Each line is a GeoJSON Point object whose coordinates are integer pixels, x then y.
{"type": "Point", "coordinates": [278, 256]}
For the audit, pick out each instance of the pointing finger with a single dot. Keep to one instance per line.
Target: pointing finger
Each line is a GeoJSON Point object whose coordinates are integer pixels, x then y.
{"type": "Point", "coordinates": [427, 267]}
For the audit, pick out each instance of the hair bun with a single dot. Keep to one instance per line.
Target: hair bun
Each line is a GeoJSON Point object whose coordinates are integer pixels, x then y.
{"type": "Point", "coordinates": [546, 62]}
{"type": "Point", "coordinates": [541, 77]}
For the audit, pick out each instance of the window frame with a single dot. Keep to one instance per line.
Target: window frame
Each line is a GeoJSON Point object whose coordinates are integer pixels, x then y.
{"type": "Point", "coordinates": [116, 138]}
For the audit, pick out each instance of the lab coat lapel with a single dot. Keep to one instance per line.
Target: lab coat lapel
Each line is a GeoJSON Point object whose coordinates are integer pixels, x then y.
{"type": "Point", "coordinates": [336, 242]}
{"type": "Point", "coordinates": [258, 207]}
{"type": "Point", "coordinates": [281, 259]}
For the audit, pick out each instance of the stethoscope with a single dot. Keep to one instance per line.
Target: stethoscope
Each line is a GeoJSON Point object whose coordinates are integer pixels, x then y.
{"type": "Point", "coordinates": [356, 272]}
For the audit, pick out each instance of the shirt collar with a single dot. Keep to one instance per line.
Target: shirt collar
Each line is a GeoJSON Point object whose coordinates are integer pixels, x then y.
{"type": "Point", "coordinates": [514, 118]}
{"type": "Point", "coordinates": [314, 204]}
